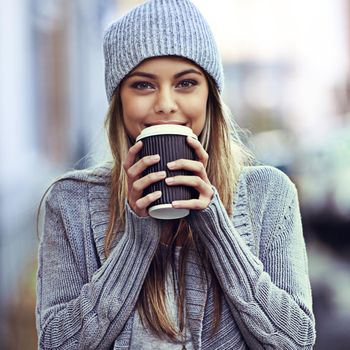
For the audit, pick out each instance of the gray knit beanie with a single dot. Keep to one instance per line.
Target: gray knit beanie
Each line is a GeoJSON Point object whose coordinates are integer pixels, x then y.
{"type": "Point", "coordinates": [159, 28]}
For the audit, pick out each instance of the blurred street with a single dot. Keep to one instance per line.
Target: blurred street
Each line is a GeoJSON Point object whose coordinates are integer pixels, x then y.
{"type": "Point", "coordinates": [287, 81]}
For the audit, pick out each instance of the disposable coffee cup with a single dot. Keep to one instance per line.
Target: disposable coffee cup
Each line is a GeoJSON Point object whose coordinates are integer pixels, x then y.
{"type": "Point", "coordinates": [169, 141]}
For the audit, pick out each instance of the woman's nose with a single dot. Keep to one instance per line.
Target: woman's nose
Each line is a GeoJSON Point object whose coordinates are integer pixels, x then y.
{"type": "Point", "coordinates": [165, 102]}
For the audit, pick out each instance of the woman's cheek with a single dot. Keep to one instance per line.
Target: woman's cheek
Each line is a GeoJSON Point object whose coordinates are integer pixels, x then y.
{"type": "Point", "coordinates": [197, 116]}
{"type": "Point", "coordinates": [135, 111]}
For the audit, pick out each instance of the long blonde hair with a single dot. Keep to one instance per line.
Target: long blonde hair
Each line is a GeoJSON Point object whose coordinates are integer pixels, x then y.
{"type": "Point", "coordinates": [226, 157]}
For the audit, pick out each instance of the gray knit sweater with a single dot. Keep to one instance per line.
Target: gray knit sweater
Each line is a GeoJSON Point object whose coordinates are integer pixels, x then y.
{"type": "Point", "coordinates": [258, 256]}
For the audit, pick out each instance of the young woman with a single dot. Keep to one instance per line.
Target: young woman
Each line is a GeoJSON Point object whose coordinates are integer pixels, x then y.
{"type": "Point", "coordinates": [231, 275]}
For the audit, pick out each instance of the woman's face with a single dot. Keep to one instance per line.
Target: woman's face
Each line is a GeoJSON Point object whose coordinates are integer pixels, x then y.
{"type": "Point", "coordinates": [164, 90]}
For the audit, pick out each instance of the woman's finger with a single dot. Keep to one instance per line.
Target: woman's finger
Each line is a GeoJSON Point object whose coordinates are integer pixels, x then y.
{"type": "Point", "coordinates": [136, 169]}
{"type": "Point", "coordinates": [132, 154]}
{"type": "Point", "coordinates": [142, 183]}
{"type": "Point", "coordinates": [194, 166]}
{"type": "Point", "coordinates": [196, 182]}
{"type": "Point", "coordinates": [144, 202]}
{"type": "Point", "coordinates": [199, 150]}
{"type": "Point", "coordinates": [192, 204]}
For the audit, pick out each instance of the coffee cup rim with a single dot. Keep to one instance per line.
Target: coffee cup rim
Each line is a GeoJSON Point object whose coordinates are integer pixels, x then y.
{"type": "Point", "coordinates": [166, 129]}
{"type": "Point", "coordinates": [167, 212]}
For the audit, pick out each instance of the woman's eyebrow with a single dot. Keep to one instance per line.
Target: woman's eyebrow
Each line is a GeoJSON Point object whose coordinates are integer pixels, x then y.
{"type": "Point", "coordinates": [187, 71]}
{"type": "Point", "coordinates": [141, 74]}
{"type": "Point", "coordinates": [154, 76]}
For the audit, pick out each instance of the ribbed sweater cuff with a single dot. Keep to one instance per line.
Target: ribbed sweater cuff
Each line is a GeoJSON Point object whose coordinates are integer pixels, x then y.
{"type": "Point", "coordinates": [231, 258]}
{"type": "Point", "coordinates": [124, 271]}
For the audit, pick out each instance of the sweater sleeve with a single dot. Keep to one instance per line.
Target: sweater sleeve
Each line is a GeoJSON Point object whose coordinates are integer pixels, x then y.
{"type": "Point", "coordinates": [269, 296]}
{"type": "Point", "coordinates": [73, 313]}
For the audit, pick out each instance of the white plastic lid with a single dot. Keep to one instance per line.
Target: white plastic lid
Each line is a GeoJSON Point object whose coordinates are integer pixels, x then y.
{"type": "Point", "coordinates": [166, 129]}
{"type": "Point", "coordinates": [167, 212]}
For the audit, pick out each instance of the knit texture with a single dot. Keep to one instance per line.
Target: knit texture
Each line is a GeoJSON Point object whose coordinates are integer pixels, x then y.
{"type": "Point", "coordinates": [258, 256]}
{"type": "Point", "coordinates": [159, 28]}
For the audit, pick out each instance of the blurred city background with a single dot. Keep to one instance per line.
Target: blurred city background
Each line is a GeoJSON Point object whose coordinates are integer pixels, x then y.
{"type": "Point", "coordinates": [287, 65]}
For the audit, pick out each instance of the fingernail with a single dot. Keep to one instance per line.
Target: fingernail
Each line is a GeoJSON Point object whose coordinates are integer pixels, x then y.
{"type": "Point", "coordinates": [155, 157]}
{"type": "Point", "coordinates": [161, 173]}
{"type": "Point", "coordinates": [171, 165]}
{"type": "Point", "coordinates": [157, 194]}
{"type": "Point", "coordinates": [169, 180]}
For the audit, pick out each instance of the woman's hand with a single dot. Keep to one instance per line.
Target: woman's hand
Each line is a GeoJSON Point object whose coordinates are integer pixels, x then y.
{"type": "Point", "coordinates": [136, 183]}
{"type": "Point", "coordinates": [199, 180]}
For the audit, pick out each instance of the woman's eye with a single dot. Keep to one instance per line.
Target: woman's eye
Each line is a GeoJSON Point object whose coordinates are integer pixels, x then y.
{"type": "Point", "coordinates": [186, 83]}
{"type": "Point", "coordinates": [142, 85]}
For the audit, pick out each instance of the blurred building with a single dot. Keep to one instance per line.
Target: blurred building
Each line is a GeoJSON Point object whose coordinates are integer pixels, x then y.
{"type": "Point", "coordinates": [52, 110]}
